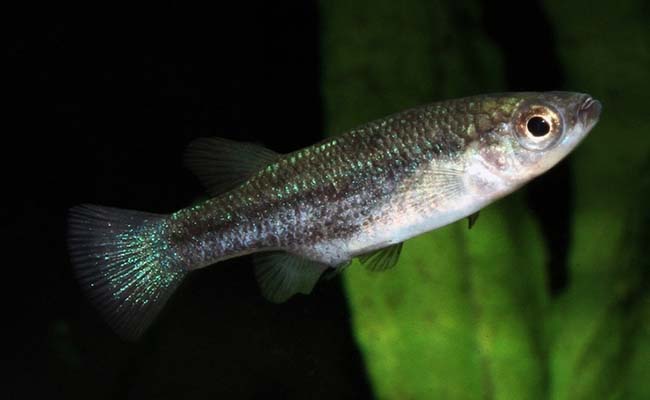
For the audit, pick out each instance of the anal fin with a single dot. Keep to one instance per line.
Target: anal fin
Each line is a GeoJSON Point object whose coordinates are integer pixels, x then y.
{"type": "Point", "coordinates": [281, 275]}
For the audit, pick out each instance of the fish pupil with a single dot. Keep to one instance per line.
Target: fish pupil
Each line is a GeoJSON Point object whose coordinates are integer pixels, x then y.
{"type": "Point", "coordinates": [538, 126]}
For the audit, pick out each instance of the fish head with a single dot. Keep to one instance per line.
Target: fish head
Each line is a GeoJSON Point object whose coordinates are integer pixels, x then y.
{"type": "Point", "coordinates": [528, 133]}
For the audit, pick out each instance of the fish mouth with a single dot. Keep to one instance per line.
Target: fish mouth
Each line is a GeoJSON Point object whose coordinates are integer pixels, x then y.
{"type": "Point", "coordinates": [589, 111]}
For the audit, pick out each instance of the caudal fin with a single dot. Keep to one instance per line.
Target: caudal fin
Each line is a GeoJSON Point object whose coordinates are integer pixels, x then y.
{"type": "Point", "coordinates": [124, 264]}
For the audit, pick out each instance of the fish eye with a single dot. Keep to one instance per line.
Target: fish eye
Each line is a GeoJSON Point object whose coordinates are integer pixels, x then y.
{"type": "Point", "coordinates": [538, 126]}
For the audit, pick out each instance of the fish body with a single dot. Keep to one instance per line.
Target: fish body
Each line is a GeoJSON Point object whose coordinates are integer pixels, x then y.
{"type": "Point", "coordinates": [360, 194]}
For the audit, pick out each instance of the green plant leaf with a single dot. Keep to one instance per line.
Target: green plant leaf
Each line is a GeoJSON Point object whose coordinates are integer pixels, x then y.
{"type": "Point", "coordinates": [466, 314]}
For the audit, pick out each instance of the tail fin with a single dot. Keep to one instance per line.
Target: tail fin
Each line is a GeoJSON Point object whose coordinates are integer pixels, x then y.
{"type": "Point", "coordinates": [124, 263]}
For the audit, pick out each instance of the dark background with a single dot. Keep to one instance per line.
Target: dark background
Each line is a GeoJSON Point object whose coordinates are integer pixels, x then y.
{"type": "Point", "coordinates": [100, 111]}
{"type": "Point", "coordinates": [103, 110]}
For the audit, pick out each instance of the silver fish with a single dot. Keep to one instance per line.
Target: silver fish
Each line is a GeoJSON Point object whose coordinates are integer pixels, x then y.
{"type": "Point", "coordinates": [312, 211]}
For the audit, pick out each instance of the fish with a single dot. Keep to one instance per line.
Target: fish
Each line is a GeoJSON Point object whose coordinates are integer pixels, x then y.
{"type": "Point", "coordinates": [305, 215]}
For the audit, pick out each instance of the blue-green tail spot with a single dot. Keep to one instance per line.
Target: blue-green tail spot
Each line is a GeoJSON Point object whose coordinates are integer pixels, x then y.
{"type": "Point", "coordinates": [124, 263]}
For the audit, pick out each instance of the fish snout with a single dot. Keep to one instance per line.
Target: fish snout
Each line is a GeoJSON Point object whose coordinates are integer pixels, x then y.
{"type": "Point", "coordinates": [589, 111]}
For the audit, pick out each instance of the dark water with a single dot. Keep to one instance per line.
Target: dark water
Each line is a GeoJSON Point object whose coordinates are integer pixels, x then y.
{"type": "Point", "coordinates": [101, 110]}
{"type": "Point", "coordinates": [105, 109]}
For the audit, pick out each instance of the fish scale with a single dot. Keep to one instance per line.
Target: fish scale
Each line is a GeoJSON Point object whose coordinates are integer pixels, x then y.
{"type": "Point", "coordinates": [300, 214]}
{"type": "Point", "coordinates": [357, 171]}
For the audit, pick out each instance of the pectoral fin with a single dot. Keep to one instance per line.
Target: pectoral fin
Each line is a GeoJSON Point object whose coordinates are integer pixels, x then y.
{"type": "Point", "coordinates": [382, 259]}
{"type": "Point", "coordinates": [280, 275]}
{"type": "Point", "coordinates": [471, 220]}
{"type": "Point", "coordinates": [223, 164]}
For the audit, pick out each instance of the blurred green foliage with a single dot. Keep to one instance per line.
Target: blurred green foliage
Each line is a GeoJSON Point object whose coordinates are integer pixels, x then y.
{"type": "Point", "coordinates": [466, 314]}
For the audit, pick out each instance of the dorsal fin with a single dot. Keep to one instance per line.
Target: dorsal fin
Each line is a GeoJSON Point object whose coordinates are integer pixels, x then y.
{"type": "Point", "coordinates": [281, 275]}
{"type": "Point", "coordinates": [222, 164]}
{"type": "Point", "coordinates": [382, 259]}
